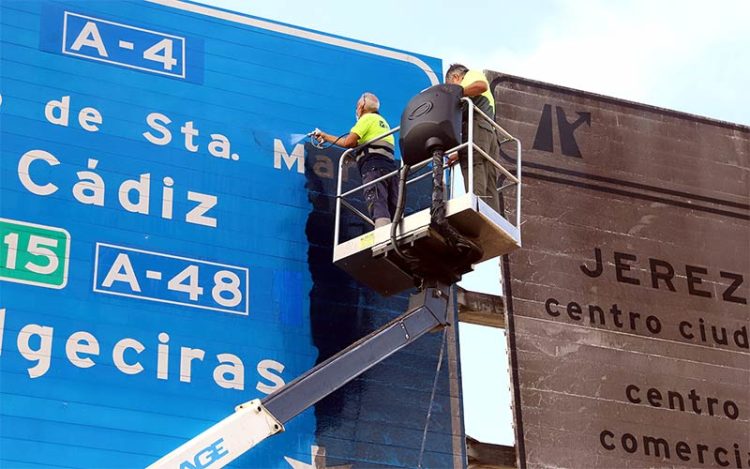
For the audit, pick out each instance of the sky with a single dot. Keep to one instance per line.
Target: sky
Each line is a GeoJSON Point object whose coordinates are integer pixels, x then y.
{"type": "Point", "coordinates": [689, 56]}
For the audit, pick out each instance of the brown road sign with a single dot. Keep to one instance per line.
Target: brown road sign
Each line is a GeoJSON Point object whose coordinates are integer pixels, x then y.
{"type": "Point", "coordinates": [628, 303]}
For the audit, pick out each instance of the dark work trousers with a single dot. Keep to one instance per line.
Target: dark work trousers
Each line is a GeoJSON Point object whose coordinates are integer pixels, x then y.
{"type": "Point", "coordinates": [381, 198]}
{"type": "Point", "coordinates": [485, 173]}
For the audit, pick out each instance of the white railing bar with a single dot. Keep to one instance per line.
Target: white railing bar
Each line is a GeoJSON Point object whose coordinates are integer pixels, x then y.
{"type": "Point", "coordinates": [470, 149]}
{"type": "Point", "coordinates": [469, 145]}
{"type": "Point", "coordinates": [492, 121]}
{"type": "Point", "coordinates": [496, 164]}
{"type": "Point", "coordinates": [518, 178]}
{"type": "Point", "coordinates": [365, 186]}
{"type": "Point", "coordinates": [358, 212]}
{"type": "Point", "coordinates": [344, 156]}
{"type": "Point", "coordinates": [416, 167]}
{"type": "Point", "coordinates": [505, 186]}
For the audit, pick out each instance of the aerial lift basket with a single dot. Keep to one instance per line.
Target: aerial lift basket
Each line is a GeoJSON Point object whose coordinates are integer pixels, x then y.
{"type": "Point", "coordinates": [432, 119]}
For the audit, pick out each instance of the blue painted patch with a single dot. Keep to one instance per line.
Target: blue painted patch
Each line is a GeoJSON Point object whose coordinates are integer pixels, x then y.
{"type": "Point", "coordinates": [287, 289]}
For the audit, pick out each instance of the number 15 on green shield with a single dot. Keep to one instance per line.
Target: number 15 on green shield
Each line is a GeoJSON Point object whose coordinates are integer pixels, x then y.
{"type": "Point", "coordinates": [33, 254]}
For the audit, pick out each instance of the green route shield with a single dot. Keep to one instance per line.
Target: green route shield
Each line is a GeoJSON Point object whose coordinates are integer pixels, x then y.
{"type": "Point", "coordinates": [34, 254]}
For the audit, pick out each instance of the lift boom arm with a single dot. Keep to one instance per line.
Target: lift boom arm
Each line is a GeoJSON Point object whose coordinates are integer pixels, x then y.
{"type": "Point", "coordinates": [256, 420]}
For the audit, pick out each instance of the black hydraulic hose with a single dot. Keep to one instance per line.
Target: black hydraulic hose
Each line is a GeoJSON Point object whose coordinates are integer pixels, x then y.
{"type": "Point", "coordinates": [325, 145]}
{"type": "Point", "coordinates": [437, 210]}
{"type": "Point", "coordinates": [399, 215]}
{"type": "Point", "coordinates": [463, 246]}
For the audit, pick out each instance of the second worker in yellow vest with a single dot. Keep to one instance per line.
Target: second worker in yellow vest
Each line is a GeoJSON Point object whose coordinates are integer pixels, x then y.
{"type": "Point", "coordinates": [477, 88]}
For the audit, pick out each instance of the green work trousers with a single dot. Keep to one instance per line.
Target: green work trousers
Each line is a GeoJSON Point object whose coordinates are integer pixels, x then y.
{"type": "Point", "coordinates": [485, 173]}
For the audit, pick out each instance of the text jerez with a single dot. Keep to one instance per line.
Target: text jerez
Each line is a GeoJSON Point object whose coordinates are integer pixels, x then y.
{"type": "Point", "coordinates": [700, 285]}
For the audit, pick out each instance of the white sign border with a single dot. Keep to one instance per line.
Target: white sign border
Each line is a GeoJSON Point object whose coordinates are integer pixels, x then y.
{"type": "Point", "coordinates": [301, 33]}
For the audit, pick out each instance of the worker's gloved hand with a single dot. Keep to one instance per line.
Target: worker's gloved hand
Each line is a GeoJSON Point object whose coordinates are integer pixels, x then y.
{"type": "Point", "coordinates": [452, 158]}
{"type": "Point", "coordinates": [319, 136]}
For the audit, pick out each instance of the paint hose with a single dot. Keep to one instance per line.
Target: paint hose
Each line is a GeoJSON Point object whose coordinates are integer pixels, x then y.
{"type": "Point", "coordinates": [399, 215]}
{"type": "Point", "coordinates": [463, 246]}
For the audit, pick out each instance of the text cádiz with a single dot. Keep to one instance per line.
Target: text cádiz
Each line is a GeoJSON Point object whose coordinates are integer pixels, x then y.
{"type": "Point", "coordinates": [37, 344]}
{"type": "Point", "coordinates": [133, 195]}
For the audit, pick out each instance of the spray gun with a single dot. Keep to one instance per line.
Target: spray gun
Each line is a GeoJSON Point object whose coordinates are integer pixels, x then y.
{"type": "Point", "coordinates": [313, 136]}
{"type": "Point", "coordinates": [314, 140]}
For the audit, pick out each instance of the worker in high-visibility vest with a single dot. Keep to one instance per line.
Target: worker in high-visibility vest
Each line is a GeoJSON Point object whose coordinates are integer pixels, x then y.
{"type": "Point", "coordinates": [477, 88]}
{"type": "Point", "coordinates": [375, 160]}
